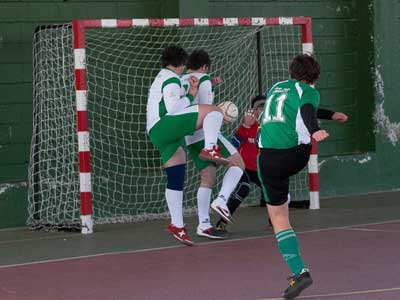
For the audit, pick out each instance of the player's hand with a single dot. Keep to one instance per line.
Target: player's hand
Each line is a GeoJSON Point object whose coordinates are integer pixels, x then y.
{"type": "Point", "coordinates": [194, 83]}
{"type": "Point", "coordinates": [216, 80]}
{"type": "Point", "coordinates": [249, 118]}
{"type": "Point", "coordinates": [320, 135]}
{"type": "Point", "coordinates": [339, 117]}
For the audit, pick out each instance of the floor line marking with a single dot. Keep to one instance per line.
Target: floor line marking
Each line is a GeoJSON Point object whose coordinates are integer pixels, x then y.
{"type": "Point", "coordinates": [372, 230]}
{"type": "Point", "coordinates": [180, 246]}
{"type": "Point", "coordinates": [341, 294]}
{"type": "Point", "coordinates": [63, 237]}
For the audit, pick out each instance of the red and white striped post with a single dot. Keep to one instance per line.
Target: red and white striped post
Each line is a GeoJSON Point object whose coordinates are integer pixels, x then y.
{"type": "Point", "coordinates": [82, 126]}
{"type": "Point", "coordinates": [313, 172]}
{"type": "Point", "coordinates": [313, 176]}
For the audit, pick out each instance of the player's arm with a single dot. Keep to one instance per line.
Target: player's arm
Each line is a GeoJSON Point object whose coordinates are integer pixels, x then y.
{"type": "Point", "coordinates": [172, 96]}
{"type": "Point", "coordinates": [309, 116]}
{"type": "Point", "coordinates": [308, 111]}
{"type": "Point", "coordinates": [326, 114]}
{"type": "Point", "coordinates": [216, 81]}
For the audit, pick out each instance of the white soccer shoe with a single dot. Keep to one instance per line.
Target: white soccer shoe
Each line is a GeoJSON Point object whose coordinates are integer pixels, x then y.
{"type": "Point", "coordinates": [219, 205]}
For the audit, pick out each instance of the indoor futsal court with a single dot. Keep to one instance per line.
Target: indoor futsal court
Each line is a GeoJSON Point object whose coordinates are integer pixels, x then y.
{"type": "Point", "coordinates": [351, 246]}
{"type": "Point", "coordinates": [114, 117]}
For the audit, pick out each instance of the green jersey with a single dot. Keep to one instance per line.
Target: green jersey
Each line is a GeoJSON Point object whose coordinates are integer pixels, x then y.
{"type": "Point", "coordinates": [282, 126]}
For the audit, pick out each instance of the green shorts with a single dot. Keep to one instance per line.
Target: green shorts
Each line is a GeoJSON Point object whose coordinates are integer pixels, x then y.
{"type": "Point", "coordinates": [227, 149]}
{"type": "Point", "coordinates": [167, 135]}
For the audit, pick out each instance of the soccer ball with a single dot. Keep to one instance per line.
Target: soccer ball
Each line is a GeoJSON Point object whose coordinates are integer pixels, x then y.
{"type": "Point", "coordinates": [230, 111]}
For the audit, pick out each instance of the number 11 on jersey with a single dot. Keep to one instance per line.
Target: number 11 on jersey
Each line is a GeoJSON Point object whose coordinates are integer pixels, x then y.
{"type": "Point", "coordinates": [279, 102]}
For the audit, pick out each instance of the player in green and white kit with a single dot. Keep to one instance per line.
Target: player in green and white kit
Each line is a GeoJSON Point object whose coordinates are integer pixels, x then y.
{"type": "Point", "coordinates": [198, 66]}
{"type": "Point", "coordinates": [289, 121]}
{"type": "Point", "coordinates": [170, 117]}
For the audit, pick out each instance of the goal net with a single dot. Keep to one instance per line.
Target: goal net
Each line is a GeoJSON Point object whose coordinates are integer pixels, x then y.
{"type": "Point", "coordinates": [127, 180]}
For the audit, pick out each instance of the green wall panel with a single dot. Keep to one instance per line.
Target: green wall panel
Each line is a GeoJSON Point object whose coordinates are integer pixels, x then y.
{"type": "Point", "coordinates": [317, 9]}
{"type": "Point", "coordinates": [13, 73]}
{"type": "Point", "coordinates": [334, 97]}
{"type": "Point", "coordinates": [12, 173]}
{"type": "Point", "coordinates": [16, 93]}
{"type": "Point", "coordinates": [11, 113]}
{"type": "Point", "coordinates": [14, 154]}
{"type": "Point", "coordinates": [13, 204]}
{"type": "Point", "coordinates": [377, 170]}
{"type": "Point", "coordinates": [339, 45]}
{"type": "Point", "coordinates": [16, 53]}
{"type": "Point", "coordinates": [15, 133]}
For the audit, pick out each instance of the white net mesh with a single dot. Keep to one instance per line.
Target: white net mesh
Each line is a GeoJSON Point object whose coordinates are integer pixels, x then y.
{"type": "Point", "coordinates": [127, 179]}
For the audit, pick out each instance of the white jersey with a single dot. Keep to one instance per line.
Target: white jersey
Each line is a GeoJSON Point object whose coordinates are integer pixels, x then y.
{"type": "Point", "coordinates": [166, 96]}
{"type": "Point", "coordinates": [204, 96]}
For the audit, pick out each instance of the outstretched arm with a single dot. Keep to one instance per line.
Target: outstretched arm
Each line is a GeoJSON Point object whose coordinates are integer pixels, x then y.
{"type": "Point", "coordinates": [339, 117]}
{"type": "Point", "coordinates": [327, 114]}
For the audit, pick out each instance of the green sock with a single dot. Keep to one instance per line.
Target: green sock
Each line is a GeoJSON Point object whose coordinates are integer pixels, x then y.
{"type": "Point", "coordinates": [289, 247]}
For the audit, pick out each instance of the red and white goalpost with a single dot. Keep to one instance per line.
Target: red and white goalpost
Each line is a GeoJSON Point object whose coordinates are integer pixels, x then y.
{"type": "Point", "coordinates": [108, 78]}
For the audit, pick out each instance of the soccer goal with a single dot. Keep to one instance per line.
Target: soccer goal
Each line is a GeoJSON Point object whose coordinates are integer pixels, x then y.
{"type": "Point", "coordinates": [90, 157]}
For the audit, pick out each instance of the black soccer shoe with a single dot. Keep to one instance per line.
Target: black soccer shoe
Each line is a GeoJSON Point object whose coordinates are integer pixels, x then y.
{"type": "Point", "coordinates": [221, 226]}
{"type": "Point", "coordinates": [297, 284]}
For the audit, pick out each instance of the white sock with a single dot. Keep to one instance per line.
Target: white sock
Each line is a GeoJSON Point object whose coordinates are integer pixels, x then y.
{"type": "Point", "coordinates": [203, 207]}
{"type": "Point", "coordinates": [175, 206]}
{"type": "Point", "coordinates": [211, 125]}
{"type": "Point", "coordinates": [230, 181]}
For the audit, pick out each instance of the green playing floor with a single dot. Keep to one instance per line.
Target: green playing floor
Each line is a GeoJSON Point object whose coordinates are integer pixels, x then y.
{"type": "Point", "coordinates": [25, 246]}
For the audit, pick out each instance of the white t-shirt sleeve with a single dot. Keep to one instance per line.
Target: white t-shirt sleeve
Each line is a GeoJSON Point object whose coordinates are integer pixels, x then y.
{"type": "Point", "coordinates": [172, 98]}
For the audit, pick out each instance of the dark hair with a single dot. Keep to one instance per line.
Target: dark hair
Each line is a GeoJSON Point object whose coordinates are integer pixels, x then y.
{"type": "Point", "coordinates": [197, 59]}
{"type": "Point", "coordinates": [257, 101]}
{"type": "Point", "coordinates": [304, 67]}
{"type": "Point", "coordinates": [174, 55]}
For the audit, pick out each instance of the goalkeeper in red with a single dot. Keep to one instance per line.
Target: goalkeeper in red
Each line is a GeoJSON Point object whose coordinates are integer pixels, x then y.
{"type": "Point", "coordinates": [289, 121]}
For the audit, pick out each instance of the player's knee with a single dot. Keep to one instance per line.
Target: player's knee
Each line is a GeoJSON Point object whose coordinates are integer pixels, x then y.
{"type": "Point", "coordinates": [237, 161]}
{"type": "Point", "coordinates": [207, 178]}
{"type": "Point", "coordinates": [175, 177]}
{"type": "Point", "coordinates": [218, 109]}
{"type": "Point", "coordinates": [278, 201]}
{"type": "Point", "coordinates": [207, 182]}
{"type": "Point", "coordinates": [279, 218]}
